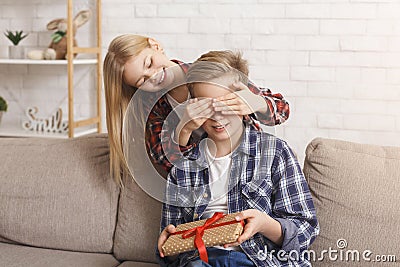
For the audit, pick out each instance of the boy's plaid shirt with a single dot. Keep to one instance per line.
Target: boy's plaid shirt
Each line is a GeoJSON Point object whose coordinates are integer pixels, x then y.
{"type": "Point", "coordinates": [266, 176]}
{"type": "Point", "coordinates": [163, 150]}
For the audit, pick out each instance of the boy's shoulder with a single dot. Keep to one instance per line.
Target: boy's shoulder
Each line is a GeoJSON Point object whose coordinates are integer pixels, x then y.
{"type": "Point", "coordinates": [268, 137]}
{"type": "Point", "coordinates": [271, 143]}
{"type": "Point", "coordinates": [191, 162]}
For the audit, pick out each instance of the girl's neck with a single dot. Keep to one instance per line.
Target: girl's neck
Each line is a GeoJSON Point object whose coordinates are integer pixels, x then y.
{"type": "Point", "coordinates": [180, 93]}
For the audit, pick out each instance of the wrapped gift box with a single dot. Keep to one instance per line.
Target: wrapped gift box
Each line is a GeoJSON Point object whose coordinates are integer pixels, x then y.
{"type": "Point", "coordinates": [223, 231]}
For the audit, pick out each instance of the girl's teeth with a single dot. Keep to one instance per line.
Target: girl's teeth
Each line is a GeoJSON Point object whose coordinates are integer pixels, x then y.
{"type": "Point", "coordinates": [162, 77]}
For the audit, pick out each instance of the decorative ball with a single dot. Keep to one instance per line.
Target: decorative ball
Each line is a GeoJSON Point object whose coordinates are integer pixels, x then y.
{"type": "Point", "coordinates": [49, 54]}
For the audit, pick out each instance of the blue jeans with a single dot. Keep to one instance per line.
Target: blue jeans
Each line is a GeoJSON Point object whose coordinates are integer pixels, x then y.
{"type": "Point", "coordinates": [223, 258]}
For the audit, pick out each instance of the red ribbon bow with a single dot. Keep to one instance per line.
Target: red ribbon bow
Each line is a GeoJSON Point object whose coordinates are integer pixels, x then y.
{"type": "Point", "coordinates": [198, 232]}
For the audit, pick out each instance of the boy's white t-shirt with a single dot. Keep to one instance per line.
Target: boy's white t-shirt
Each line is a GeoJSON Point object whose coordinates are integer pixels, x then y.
{"type": "Point", "coordinates": [219, 172]}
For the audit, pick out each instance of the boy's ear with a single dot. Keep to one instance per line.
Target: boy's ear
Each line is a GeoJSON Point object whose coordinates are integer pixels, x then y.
{"type": "Point", "coordinates": [154, 44]}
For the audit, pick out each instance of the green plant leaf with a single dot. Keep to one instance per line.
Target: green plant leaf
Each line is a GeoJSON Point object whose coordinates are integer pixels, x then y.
{"type": "Point", "coordinates": [15, 37]}
{"type": "Point", "coordinates": [3, 104]}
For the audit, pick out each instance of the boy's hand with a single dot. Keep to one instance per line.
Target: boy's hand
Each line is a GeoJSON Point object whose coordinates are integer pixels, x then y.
{"type": "Point", "coordinates": [258, 222]}
{"type": "Point", "coordinates": [241, 102]}
{"type": "Point", "coordinates": [164, 236]}
{"type": "Point", "coordinates": [255, 222]}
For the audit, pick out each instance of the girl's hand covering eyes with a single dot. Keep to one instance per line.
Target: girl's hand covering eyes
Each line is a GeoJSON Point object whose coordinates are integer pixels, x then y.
{"type": "Point", "coordinates": [196, 113]}
{"type": "Point", "coordinates": [241, 102]}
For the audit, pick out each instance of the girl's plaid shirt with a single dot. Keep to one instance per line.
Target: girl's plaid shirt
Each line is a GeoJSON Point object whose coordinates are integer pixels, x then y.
{"type": "Point", "coordinates": [266, 176]}
{"type": "Point", "coordinates": [164, 151]}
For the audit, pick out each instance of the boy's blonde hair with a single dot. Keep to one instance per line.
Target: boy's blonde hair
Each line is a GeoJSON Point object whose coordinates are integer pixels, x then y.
{"type": "Point", "coordinates": [118, 94]}
{"type": "Point", "coordinates": [216, 64]}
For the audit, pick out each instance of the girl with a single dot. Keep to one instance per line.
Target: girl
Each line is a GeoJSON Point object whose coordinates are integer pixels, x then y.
{"type": "Point", "coordinates": [137, 62]}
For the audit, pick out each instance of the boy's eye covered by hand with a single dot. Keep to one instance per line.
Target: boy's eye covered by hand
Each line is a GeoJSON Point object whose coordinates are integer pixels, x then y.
{"type": "Point", "coordinates": [241, 102]}
{"type": "Point", "coordinates": [234, 99]}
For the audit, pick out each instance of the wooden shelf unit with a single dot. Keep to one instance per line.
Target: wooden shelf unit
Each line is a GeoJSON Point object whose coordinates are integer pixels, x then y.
{"type": "Point", "coordinates": [73, 124]}
{"type": "Point", "coordinates": [92, 50]}
{"type": "Point", "coordinates": [47, 62]}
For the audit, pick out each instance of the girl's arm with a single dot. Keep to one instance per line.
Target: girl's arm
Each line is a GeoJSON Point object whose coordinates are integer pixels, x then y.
{"type": "Point", "coordinates": [161, 147]}
{"type": "Point", "coordinates": [270, 109]}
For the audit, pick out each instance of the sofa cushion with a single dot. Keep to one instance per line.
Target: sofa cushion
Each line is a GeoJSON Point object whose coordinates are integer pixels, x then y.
{"type": "Point", "coordinates": [356, 193]}
{"type": "Point", "coordinates": [138, 225]}
{"type": "Point", "coordinates": [57, 193]}
{"type": "Point", "coordinates": [23, 256]}
{"type": "Point", "coordinates": [137, 264]}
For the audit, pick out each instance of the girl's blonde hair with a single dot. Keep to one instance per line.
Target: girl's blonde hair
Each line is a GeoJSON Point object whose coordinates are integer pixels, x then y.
{"type": "Point", "coordinates": [118, 94]}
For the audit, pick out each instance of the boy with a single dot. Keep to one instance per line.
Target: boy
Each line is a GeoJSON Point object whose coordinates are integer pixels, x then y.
{"type": "Point", "coordinates": [238, 169]}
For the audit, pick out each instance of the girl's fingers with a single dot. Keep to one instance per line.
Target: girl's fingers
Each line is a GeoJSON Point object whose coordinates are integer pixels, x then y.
{"type": "Point", "coordinates": [201, 104]}
{"type": "Point", "coordinates": [226, 97]}
{"type": "Point", "coordinates": [205, 112]}
{"type": "Point", "coordinates": [229, 102]}
{"type": "Point", "coordinates": [201, 118]}
{"type": "Point", "coordinates": [199, 108]}
{"type": "Point", "coordinates": [234, 107]}
{"type": "Point", "coordinates": [231, 112]}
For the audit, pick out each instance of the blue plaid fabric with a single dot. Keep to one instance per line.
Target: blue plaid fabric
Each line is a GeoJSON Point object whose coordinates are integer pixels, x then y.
{"type": "Point", "coordinates": [265, 175]}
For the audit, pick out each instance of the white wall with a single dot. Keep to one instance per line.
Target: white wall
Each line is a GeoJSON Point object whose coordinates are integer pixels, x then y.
{"type": "Point", "coordinates": [336, 61]}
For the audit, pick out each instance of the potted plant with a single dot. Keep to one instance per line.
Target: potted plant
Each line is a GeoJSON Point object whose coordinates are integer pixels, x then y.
{"type": "Point", "coordinates": [15, 51]}
{"type": "Point", "coordinates": [3, 107]}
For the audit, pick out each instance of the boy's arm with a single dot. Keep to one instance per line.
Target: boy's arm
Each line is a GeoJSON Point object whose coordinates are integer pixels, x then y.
{"type": "Point", "coordinates": [293, 207]}
{"type": "Point", "coordinates": [171, 215]}
{"type": "Point", "coordinates": [171, 212]}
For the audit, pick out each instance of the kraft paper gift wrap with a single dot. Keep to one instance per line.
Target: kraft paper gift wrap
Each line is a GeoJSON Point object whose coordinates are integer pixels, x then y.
{"type": "Point", "coordinates": [218, 230]}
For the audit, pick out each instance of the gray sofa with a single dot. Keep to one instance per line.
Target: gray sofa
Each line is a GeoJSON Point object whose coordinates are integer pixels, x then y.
{"type": "Point", "coordinates": [59, 207]}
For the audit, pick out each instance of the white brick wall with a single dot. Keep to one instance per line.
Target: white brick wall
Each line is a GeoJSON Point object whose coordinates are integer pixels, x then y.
{"type": "Point", "coordinates": [336, 61]}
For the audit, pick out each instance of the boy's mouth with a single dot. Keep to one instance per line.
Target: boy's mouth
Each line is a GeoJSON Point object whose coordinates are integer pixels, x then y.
{"type": "Point", "coordinates": [220, 127]}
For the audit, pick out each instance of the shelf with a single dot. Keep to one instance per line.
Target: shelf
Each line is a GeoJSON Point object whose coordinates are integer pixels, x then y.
{"type": "Point", "coordinates": [76, 127]}
{"type": "Point", "coordinates": [48, 62]}
{"type": "Point", "coordinates": [15, 131]}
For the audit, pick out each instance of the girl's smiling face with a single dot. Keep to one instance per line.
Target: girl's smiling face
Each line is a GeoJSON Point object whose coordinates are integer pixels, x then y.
{"type": "Point", "coordinates": [147, 70]}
